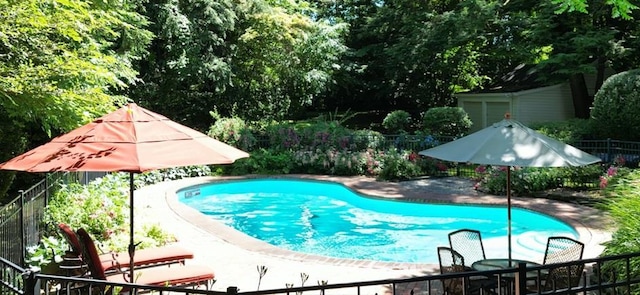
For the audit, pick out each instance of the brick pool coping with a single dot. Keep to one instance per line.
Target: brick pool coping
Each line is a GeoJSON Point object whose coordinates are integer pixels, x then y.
{"type": "Point", "coordinates": [591, 224]}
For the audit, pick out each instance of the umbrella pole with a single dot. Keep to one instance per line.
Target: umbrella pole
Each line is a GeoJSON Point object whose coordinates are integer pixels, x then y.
{"type": "Point", "coordinates": [132, 246]}
{"type": "Point", "coordinates": [509, 210]}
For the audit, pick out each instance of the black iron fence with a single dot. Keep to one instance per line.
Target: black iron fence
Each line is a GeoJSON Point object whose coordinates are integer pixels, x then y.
{"type": "Point", "coordinates": [609, 150]}
{"type": "Point", "coordinates": [21, 219]}
{"type": "Point", "coordinates": [605, 275]}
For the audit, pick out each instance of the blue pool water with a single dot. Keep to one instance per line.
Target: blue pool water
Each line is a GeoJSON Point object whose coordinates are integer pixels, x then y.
{"type": "Point", "coordinates": [328, 219]}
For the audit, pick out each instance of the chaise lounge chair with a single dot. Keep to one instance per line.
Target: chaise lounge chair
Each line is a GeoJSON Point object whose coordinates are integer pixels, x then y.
{"type": "Point", "coordinates": [183, 275]}
{"type": "Point", "coordinates": [143, 258]}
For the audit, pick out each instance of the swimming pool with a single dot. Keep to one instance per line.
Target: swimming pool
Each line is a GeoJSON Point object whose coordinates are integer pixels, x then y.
{"type": "Point", "coordinates": [328, 219]}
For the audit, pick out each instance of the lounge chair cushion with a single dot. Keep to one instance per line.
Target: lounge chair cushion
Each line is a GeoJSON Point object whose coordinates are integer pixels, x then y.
{"type": "Point", "coordinates": [144, 257]}
{"type": "Point", "coordinates": [169, 276]}
{"type": "Point", "coordinates": [147, 257]}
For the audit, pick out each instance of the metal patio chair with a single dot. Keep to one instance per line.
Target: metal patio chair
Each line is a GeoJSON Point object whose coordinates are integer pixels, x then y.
{"type": "Point", "coordinates": [561, 250]}
{"type": "Point", "coordinates": [468, 243]}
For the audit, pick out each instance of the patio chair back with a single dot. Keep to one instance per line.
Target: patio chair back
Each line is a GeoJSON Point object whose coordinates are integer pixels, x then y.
{"type": "Point", "coordinates": [451, 262]}
{"type": "Point", "coordinates": [559, 250]}
{"type": "Point", "coordinates": [468, 243]}
{"type": "Point", "coordinates": [90, 255]}
{"type": "Point", "coordinates": [71, 238]}
{"type": "Point", "coordinates": [562, 249]}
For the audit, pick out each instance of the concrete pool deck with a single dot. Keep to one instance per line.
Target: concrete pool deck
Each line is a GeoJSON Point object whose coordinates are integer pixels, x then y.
{"type": "Point", "coordinates": [235, 256]}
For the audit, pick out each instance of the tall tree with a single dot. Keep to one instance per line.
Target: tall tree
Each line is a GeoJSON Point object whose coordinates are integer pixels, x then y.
{"type": "Point", "coordinates": [60, 64]}
{"type": "Point", "coordinates": [188, 64]}
{"type": "Point", "coordinates": [285, 60]}
{"type": "Point", "coordinates": [578, 43]}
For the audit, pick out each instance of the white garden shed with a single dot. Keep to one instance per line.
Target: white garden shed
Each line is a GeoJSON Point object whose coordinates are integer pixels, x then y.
{"type": "Point", "coordinates": [543, 104]}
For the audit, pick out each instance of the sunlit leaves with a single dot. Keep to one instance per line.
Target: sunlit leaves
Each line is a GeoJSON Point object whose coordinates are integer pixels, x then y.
{"type": "Point", "coordinates": [61, 60]}
{"type": "Point", "coordinates": [284, 60]}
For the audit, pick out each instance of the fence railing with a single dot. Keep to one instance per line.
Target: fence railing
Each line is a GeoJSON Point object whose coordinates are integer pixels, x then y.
{"type": "Point", "coordinates": [606, 149]}
{"type": "Point", "coordinates": [605, 275]}
{"type": "Point", "coordinates": [21, 219]}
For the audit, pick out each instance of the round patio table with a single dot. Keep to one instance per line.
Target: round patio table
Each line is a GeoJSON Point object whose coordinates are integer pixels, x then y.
{"type": "Point", "coordinates": [503, 263]}
{"type": "Point", "coordinates": [500, 263]}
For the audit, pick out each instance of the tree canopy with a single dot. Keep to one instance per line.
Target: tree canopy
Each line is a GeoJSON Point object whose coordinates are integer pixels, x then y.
{"type": "Point", "coordinates": [64, 62]}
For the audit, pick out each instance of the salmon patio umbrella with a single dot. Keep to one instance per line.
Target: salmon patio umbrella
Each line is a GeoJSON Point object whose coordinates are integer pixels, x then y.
{"type": "Point", "coordinates": [510, 143]}
{"type": "Point", "coordinates": [131, 139]}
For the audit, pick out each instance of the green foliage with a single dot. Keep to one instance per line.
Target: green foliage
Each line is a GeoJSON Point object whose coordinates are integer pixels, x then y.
{"type": "Point", "coordinates": [619, 8]}
{"type": "Point", "coordinates": [568, 131]}
{"type": "Point", "coordinates": [188, 67]}
{"type": "Point", "coordinates": [62, 60]}
{"type": "Point", "coordinates": [232, 131]}
{"type": "Point", "coordinates": [316, 134]}
{"type": "Point", "coordinates": [397, 121]}
{"type": "Point", "coordinates": [446, 121]}
{"type": "Point", "coordinates": [284, 60]}
{"type": "Point", "coordinates": [395, 166]}
{"type": "Point", "coordinates": [616, 107]}
{"type": "Point", "coordinates": [46, 256]}
{"type": "Point", "coordinates": [623, 205]}
{"type": "Point", "coordinates": [580, 175]}
{"type": "Point", "coordinates": [364, 139]}
{"type": "Point", "coordinates": [283, 136]}
{"type": "Point", "coordinates": [62, 64]}
{"type": "Point", "coordinates": [160, 175]}
{"type": "Point", "coordinates": [524, 181]}
{"type": "Point", "coordinates": [263, 161]}
{"type": "Point", "coordinates": [101, 208]}
{"type": "Point", "coordinates": [331, 162]}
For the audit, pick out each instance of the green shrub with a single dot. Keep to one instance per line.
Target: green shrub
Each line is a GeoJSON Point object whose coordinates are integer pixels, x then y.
{"type": "Point", "coordinates": [524, 181]}
{"type": "Point", "coordinates": [446, 121]}
{"type": "Point", "coordinates": [100, 207]}
{"type": "Point", "coordinates": [580, 177]}
{"type": "Point", "coordinates": [232, 131]}
{"type": "Point", "coordinates": [623, 205]}
{"type": "Point", "coordinates": [395, 165]}
{"type": "Point", "coordinates": [263, 161]}
{"type": "Point", "coordinates": [568, 131]}
{"type": "Point", "coordinates": [331, 162]}
{"type": "Point", "coordinates": [47, 255]}
{"type": "Point", "coordinates": [160, 175]}
{"type": "Point", "coordinates": [616, 107]}
{"type": "Point", "coordinates": [430, 166]}
{"type": "Point", "coordinates": [367, 139]}
{"type": "Point", "coordinates": [397, 121]}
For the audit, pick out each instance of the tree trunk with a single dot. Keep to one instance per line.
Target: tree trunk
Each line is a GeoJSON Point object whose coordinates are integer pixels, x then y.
{"type": "Point", "coordinates": [581, 100]}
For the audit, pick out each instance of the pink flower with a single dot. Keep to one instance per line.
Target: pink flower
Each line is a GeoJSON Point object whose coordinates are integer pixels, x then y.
{"type": "Point", "coordinates": [481, 169]}
{"type": "Point", "coordinates": [612, 171]}
{"type": "Point", "coordinates": [603, 182]}
{"type": "Point", "coordinates": [619, 161]}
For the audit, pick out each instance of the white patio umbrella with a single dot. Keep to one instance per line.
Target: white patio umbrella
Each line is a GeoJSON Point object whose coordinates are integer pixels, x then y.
{"type": "Point", "coordinates": [510, 143]}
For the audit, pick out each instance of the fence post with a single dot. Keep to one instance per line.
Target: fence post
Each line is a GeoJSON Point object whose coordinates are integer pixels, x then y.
{"type": "Point", "coordinates": [23, 247]}
{"type": "Point", "coordinates": [609, 150]}
{"type": "Point", "coordinates": [31, 283]}
{"type": "Point", "coordinates": [521, 279]}
{"type": "Point", "coordinates": [46, 189]}
{"type": "Point", "coordinates": [232, 290]}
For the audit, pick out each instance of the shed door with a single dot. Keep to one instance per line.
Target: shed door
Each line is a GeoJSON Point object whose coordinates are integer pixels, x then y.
{"type": "Point", "coordinates": [474, 110]}
{"type": "Point", "coordinates": [496, 112]}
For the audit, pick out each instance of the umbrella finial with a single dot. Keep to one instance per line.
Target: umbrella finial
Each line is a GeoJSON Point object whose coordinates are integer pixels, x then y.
{"type": "Point", "coordinates": [507, 115]}
{"type": "Point", "coordinates": [130, 111]}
